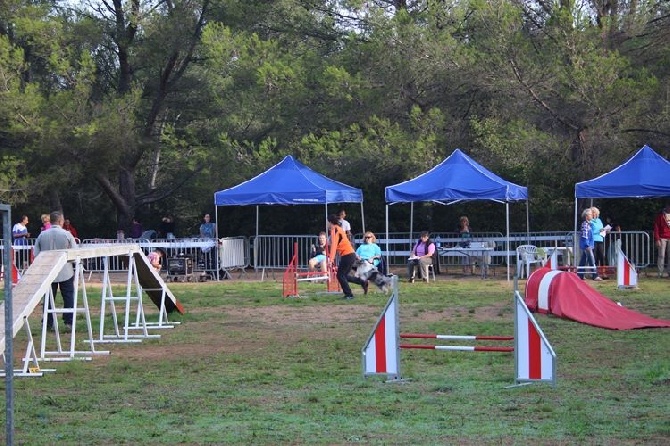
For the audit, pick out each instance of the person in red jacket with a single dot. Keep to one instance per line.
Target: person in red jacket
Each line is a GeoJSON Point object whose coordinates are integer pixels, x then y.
{"type": "Point", "coordinates": [340, 244]}
{"type": "Point", "coordinates": [662, 238]}
{"type": "Point", "coordinates": [68, 227]}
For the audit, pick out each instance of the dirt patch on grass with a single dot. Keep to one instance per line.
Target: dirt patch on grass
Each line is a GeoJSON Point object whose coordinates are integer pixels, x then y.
{"type": "Point", "coordinates": [288, 323]}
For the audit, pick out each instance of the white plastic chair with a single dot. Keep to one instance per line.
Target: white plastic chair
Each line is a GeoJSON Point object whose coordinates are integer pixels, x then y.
{"type": "Point", "coordinates": [526, 255]}
{"type": "Point", "coordinates": [431, 272]}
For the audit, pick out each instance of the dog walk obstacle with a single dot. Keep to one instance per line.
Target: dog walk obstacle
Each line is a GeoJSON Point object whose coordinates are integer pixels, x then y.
{"type": "Point", "coordinates": [292, 276]}
{"type": "Point", "coordinates": [35, 287]}
{"type": "Point", "coordinates": [535, 360]}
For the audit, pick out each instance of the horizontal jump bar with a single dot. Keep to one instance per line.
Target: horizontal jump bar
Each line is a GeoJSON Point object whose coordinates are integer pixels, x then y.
{"type": "Point", "coordinates": [455, 337]}
{"type": "Point", "coordinates": [463, 348]}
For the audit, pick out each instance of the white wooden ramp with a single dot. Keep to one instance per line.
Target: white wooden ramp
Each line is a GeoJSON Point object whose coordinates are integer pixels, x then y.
{"type": "Point", "coordinates": [35, 286]}
{"type": "Point", "coordinates": [26, 295]}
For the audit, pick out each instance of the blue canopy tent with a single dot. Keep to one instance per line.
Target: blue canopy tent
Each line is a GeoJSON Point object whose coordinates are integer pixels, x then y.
{"type": "Point", "coordinates": [457, 178]}
{"type": "Point", "coordinates": [644, 175]}
{"type": "Point", "coordinates": [288, 182]}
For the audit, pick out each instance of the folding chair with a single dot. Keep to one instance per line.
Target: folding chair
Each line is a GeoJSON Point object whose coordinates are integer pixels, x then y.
{"type": "Point", "coordinates": [526, 255]}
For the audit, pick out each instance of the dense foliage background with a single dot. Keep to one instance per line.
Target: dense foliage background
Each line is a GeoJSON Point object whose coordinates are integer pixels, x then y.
{"type": "Point", "coordinates": [116, 108]}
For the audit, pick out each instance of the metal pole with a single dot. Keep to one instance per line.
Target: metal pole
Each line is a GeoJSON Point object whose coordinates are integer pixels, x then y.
{"type": "Point", "coordinates": [507, 224]}
{"type": "Point", "coordinates": [362, 217]}
{"type": "Point", "coordinates": [388, 265]}
{"type": "Point", "coordinates": [7, 261]}
{"type": "Point", "coordinates": [411, 224]}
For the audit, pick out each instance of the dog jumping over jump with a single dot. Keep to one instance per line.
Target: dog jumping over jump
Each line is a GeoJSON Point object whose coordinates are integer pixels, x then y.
{"type": "Point", "coordinates": [367, 271]}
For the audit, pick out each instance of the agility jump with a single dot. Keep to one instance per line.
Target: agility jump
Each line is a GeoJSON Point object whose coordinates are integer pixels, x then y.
{"type": "Point", "coordinates": [535, 359]}
{"type": "Point", "coordinates": [292, 276]}
{"type": "Point", "coordinates": [463, 348]}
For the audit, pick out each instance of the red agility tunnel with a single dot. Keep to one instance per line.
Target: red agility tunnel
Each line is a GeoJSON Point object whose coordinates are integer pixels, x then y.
{"type": "Point", "coordinates": [564, 294]}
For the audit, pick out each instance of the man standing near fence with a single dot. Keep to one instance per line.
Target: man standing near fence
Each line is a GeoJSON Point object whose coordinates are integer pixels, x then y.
{"type": "Point", "coordinates": [208, 232]}
{"type": "Point", "coordinates": [58, 238]}
{"type": "Point", "coordinates": [662, 239]}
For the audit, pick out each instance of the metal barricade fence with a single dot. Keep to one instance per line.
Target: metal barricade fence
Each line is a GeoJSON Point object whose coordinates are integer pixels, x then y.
{"type": "Point", "coordinates": [234, 253]}
{"type": "Point", "coordinates": [274, 252]}
{"type": "Point", "coordinates": [636, 245]}
{"type": "Point", "coordinates": [23, 254]}
{"type": "Point", "coordinates": [116, 264]}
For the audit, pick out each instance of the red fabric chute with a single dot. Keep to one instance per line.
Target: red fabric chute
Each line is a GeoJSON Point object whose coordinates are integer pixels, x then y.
{"type": "Point", "coordinates": [572, 298]}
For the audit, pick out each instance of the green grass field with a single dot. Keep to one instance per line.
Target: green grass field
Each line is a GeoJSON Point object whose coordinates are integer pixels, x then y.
{"type": "Point", "coordinates": [246, 366]}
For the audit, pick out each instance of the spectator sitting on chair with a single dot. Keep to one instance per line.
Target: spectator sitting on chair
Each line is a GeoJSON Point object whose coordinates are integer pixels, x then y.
{"type": "Point", "coordinates": [421, 256]}
{"type": "Point", "coordinates": [369, 250]}
{"type": "Point", "coordinates": [318, 252]}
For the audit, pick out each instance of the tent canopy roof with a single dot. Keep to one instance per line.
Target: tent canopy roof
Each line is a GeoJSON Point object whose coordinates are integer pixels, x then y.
{"type": "Point", "coordinates": [646, 174]}
{"type": "Point", "coordinates": [288, 182]}
{"type": "Point", "coordinates": [457, 178]}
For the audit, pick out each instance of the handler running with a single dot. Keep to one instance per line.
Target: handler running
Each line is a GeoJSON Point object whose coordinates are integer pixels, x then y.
{"type": "Point", "coordinates": [340, 244]}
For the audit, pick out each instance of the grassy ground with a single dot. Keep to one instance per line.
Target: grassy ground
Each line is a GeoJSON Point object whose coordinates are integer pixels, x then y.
{"type": "Point", "coordinates": [248, 367]}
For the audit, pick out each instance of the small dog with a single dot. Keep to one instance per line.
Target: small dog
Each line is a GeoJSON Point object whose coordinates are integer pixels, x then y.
{"type": "Point", "coordinates": [367, 271]}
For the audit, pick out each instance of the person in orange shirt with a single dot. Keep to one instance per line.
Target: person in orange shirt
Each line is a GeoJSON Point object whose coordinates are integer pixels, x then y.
{"type": "Point", "coordinates": [340, 244]}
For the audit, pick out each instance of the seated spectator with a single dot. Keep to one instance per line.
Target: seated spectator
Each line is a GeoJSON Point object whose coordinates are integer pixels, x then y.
{"type": "Point", "coordinates": [369, 250]}
{"type": "Point", "coordinates": [317, 253]}
{"type": "Point", "coordinates": [421, 256]}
